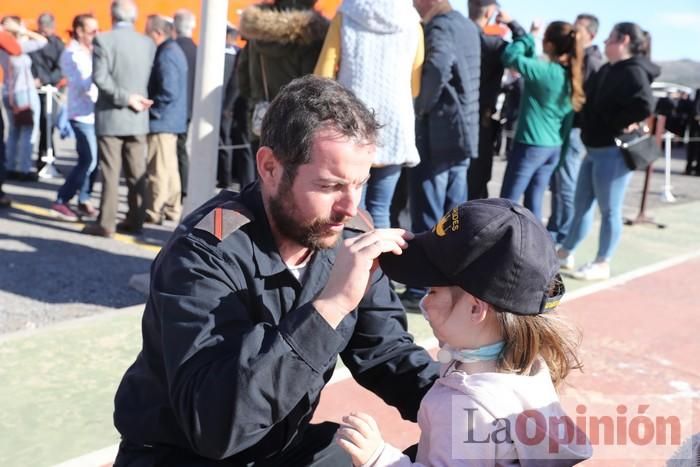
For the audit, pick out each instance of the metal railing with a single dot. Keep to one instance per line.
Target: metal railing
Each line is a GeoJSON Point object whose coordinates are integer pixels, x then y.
{"type": "Point", "coordinates": [49, 169]}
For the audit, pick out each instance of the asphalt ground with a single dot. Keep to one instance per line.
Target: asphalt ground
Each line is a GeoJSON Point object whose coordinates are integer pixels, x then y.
{"type": "Point", "coordinates": [60, 372]}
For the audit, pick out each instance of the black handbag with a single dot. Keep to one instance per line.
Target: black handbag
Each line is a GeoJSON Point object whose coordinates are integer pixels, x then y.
{"type": "Point", "coordinates": [639, 148]}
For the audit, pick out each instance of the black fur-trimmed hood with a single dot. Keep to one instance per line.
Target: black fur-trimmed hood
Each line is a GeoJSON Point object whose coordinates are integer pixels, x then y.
{"type": "Point", "coordinates": [284, 26]}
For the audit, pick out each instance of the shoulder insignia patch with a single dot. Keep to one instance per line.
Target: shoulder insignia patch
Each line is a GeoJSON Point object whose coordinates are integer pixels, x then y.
{"type": "Point", "coordinates": [362, 221]}
{"type": "Point", "coordinates": [225, 219]}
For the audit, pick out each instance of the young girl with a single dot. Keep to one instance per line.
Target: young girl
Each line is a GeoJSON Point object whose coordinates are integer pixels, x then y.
{"type": "Point", "coordinates": [492, 272]}
{"type": "Point", "coordinates": [553, 90]}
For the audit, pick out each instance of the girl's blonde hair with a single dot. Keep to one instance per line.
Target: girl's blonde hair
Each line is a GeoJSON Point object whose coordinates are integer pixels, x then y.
{"type": "Point", "coordinates": [528, 337]}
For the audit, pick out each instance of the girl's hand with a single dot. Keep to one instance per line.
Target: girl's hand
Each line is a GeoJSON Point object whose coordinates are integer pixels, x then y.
{"type": "Point", "coordinates": [360, 437]}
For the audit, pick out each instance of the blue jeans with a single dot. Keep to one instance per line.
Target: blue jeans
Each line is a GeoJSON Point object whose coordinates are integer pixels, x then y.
{"type": "Point", "coordinates": [79, 178]}
{"type": "Point", "coordinates": [528, 172]}
{"type": "Point", "coordinates": [563, 187]}
{"type": "Point", "coordinates": [376, 196]}
{"type": "Point", "coordinates": [433, 191]}
{"type": "Point", "coordinates": [604, 176]}
{"type": "Point", "coordinates": [2, 151]}
{"type": "Point", "coordinates": [20, 140]}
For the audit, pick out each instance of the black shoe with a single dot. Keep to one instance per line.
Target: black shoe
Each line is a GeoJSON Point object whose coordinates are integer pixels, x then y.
{"type": "Point", "coordinates": [28, 177]}
{"type": "Point", "coordinates": [13, 175]}
{"type": "Point", "coordinates": [127, 228]}
{"type": "Point", "coordinates": [5, 201]}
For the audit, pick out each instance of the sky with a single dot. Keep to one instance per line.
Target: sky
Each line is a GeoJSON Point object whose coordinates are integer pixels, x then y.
{"type": "Point", "coordinates": [674, 24]}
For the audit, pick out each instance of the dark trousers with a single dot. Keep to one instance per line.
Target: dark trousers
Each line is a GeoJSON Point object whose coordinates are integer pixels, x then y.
{"type": "Point", "coordinates": [113, 151]}
{"type": "Point", "coordinates": [236, 163]}
{"type": "Point", "coordinates": [399, 200]}
{"type": "Point", "coordinates": [183, 162]}
{"type": "Point", "coordinates": [479, 173]}
{"type": "Point", "coordinates": [693, 149]}
{"type": "Point", "coordinates": [316, 448]}
{"type": "Point", "coordinates": [3, 173]}
{"type": "Point", "coordinates": [43, 131]}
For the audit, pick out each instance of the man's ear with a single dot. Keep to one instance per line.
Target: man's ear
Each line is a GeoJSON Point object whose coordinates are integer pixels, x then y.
{"type": "Point", "coordinates": [269, 168]}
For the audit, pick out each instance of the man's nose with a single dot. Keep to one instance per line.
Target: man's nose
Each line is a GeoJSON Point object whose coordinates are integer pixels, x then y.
{"type": "Point", "coordinates": [347, 204]}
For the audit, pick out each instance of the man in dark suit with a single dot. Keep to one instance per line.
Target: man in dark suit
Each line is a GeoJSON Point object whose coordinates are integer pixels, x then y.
{"type": "Point", "coordinates": [447, 118]}
{"type": "Point", "coordinates": [122, 61]}
{"type": "Point", "coordinates": [184, 23]}
{"type": "Point", "coordinates": [481, 12]}
{"type": "Point", "coordinates": [46, 71]}
{"type": "Point", "coordinates": [236, 163]}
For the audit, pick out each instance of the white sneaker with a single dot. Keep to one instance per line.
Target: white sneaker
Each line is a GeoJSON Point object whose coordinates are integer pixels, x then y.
{"type": "Point", "coordinates": [592, 272]}
{"type": "Point", "coordinates": [566, 263]}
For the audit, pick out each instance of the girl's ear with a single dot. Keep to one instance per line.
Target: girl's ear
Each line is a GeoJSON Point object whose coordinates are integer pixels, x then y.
{"type": "Point", "coordinates": [479, 310]}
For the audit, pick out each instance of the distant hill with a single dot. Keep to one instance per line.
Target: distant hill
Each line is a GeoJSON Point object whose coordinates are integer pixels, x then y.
{"type": "Point", "coordinates": [686, 72]}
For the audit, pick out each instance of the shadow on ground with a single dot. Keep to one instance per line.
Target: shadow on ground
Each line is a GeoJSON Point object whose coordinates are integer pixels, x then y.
{"type": "Point", "coordinates": [56, 271]}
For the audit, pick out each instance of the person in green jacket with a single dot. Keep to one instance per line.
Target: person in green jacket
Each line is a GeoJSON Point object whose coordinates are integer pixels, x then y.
{"type": "Point", "coordinates": [553, 90]}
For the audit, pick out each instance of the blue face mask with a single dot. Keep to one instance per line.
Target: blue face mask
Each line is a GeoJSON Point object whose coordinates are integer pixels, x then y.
{"type": "Point", "coordinates": [489, 352]}
{"type": "Point", "coordinates": [447, 354]}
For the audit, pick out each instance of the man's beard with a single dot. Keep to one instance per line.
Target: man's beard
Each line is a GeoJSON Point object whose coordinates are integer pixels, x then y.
{"type": "Point", "coordinates": [313, 235]}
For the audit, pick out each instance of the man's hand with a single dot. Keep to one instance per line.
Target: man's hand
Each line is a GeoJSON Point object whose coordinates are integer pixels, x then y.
{"type": "Point", "coordinates": [351, 273]}
{"type": "Point", "coordinates": [535, 27]}
{"type": "Point", "coordinates": [632, 127]}
{"type": "Point", "coordinates": [138, 103]}
{"type": "Point", "coordinates": [12, 26]}
{"type": "Point", "coordinates": [360, 437]}
{"type": "Point", "coordinates": [503, 17]}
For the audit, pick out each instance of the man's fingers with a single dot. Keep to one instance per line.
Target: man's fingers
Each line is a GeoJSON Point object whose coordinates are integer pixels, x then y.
{"type": "Point", "coordinates": [391, 240]}
{"type": "Point", "coordinates": [400, 235]}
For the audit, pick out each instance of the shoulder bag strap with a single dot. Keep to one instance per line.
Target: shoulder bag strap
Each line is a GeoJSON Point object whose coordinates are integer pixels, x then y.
{"type": "Point", "coordinates": [264, 77]}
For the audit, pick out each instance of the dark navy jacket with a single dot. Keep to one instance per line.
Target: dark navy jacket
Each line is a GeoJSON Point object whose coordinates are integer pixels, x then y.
{"type": "Point", "coordinates": [167, 87]}
{"type": "Point", "coordinates": [234, 353]}
{"type": "Point", "coordinates": [447, 109]}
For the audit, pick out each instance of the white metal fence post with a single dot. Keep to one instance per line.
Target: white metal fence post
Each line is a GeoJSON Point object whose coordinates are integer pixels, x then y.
{"type": "Point", "coordinates": [206, 110]}
{"type": "Point", "coordinates": [667, 195]}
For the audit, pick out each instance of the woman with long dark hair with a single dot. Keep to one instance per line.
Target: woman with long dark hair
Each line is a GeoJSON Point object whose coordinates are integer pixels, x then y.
{"type": "Point", "coordinates": [618, 98]}
{"type": "Point", "coordinates": [553, 90]}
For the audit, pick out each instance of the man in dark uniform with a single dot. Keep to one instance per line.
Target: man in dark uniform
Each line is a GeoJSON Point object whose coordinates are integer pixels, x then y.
{"type": "Point", "coordinates": [257, 294]}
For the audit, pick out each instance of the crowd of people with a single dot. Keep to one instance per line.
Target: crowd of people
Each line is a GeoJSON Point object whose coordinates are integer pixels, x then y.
{"type": "Point", "coordinates": [432, 76]}
{"type": "Point", "coordinates": [260, 291]}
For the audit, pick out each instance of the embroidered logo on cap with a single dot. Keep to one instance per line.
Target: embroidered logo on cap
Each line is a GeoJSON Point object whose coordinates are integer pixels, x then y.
{"type": "Point", "coordinates": [451, 218]}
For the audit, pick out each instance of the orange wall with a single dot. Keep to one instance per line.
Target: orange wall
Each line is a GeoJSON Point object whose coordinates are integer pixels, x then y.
{"type": "Point", "coordinates": [64, 11]}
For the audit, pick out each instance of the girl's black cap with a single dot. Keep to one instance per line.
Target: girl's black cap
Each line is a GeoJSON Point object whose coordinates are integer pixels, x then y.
{"type": "Point", "coordinates": [492, 248]}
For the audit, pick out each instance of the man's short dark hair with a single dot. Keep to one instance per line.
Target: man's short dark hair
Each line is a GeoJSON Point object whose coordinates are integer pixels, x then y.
{"type": "Point", "coordinates": [476, 11]}
{"type": "Point", "coordinates": [592, 22]}
{"type": "Point", "coordinates": [307, 105]}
